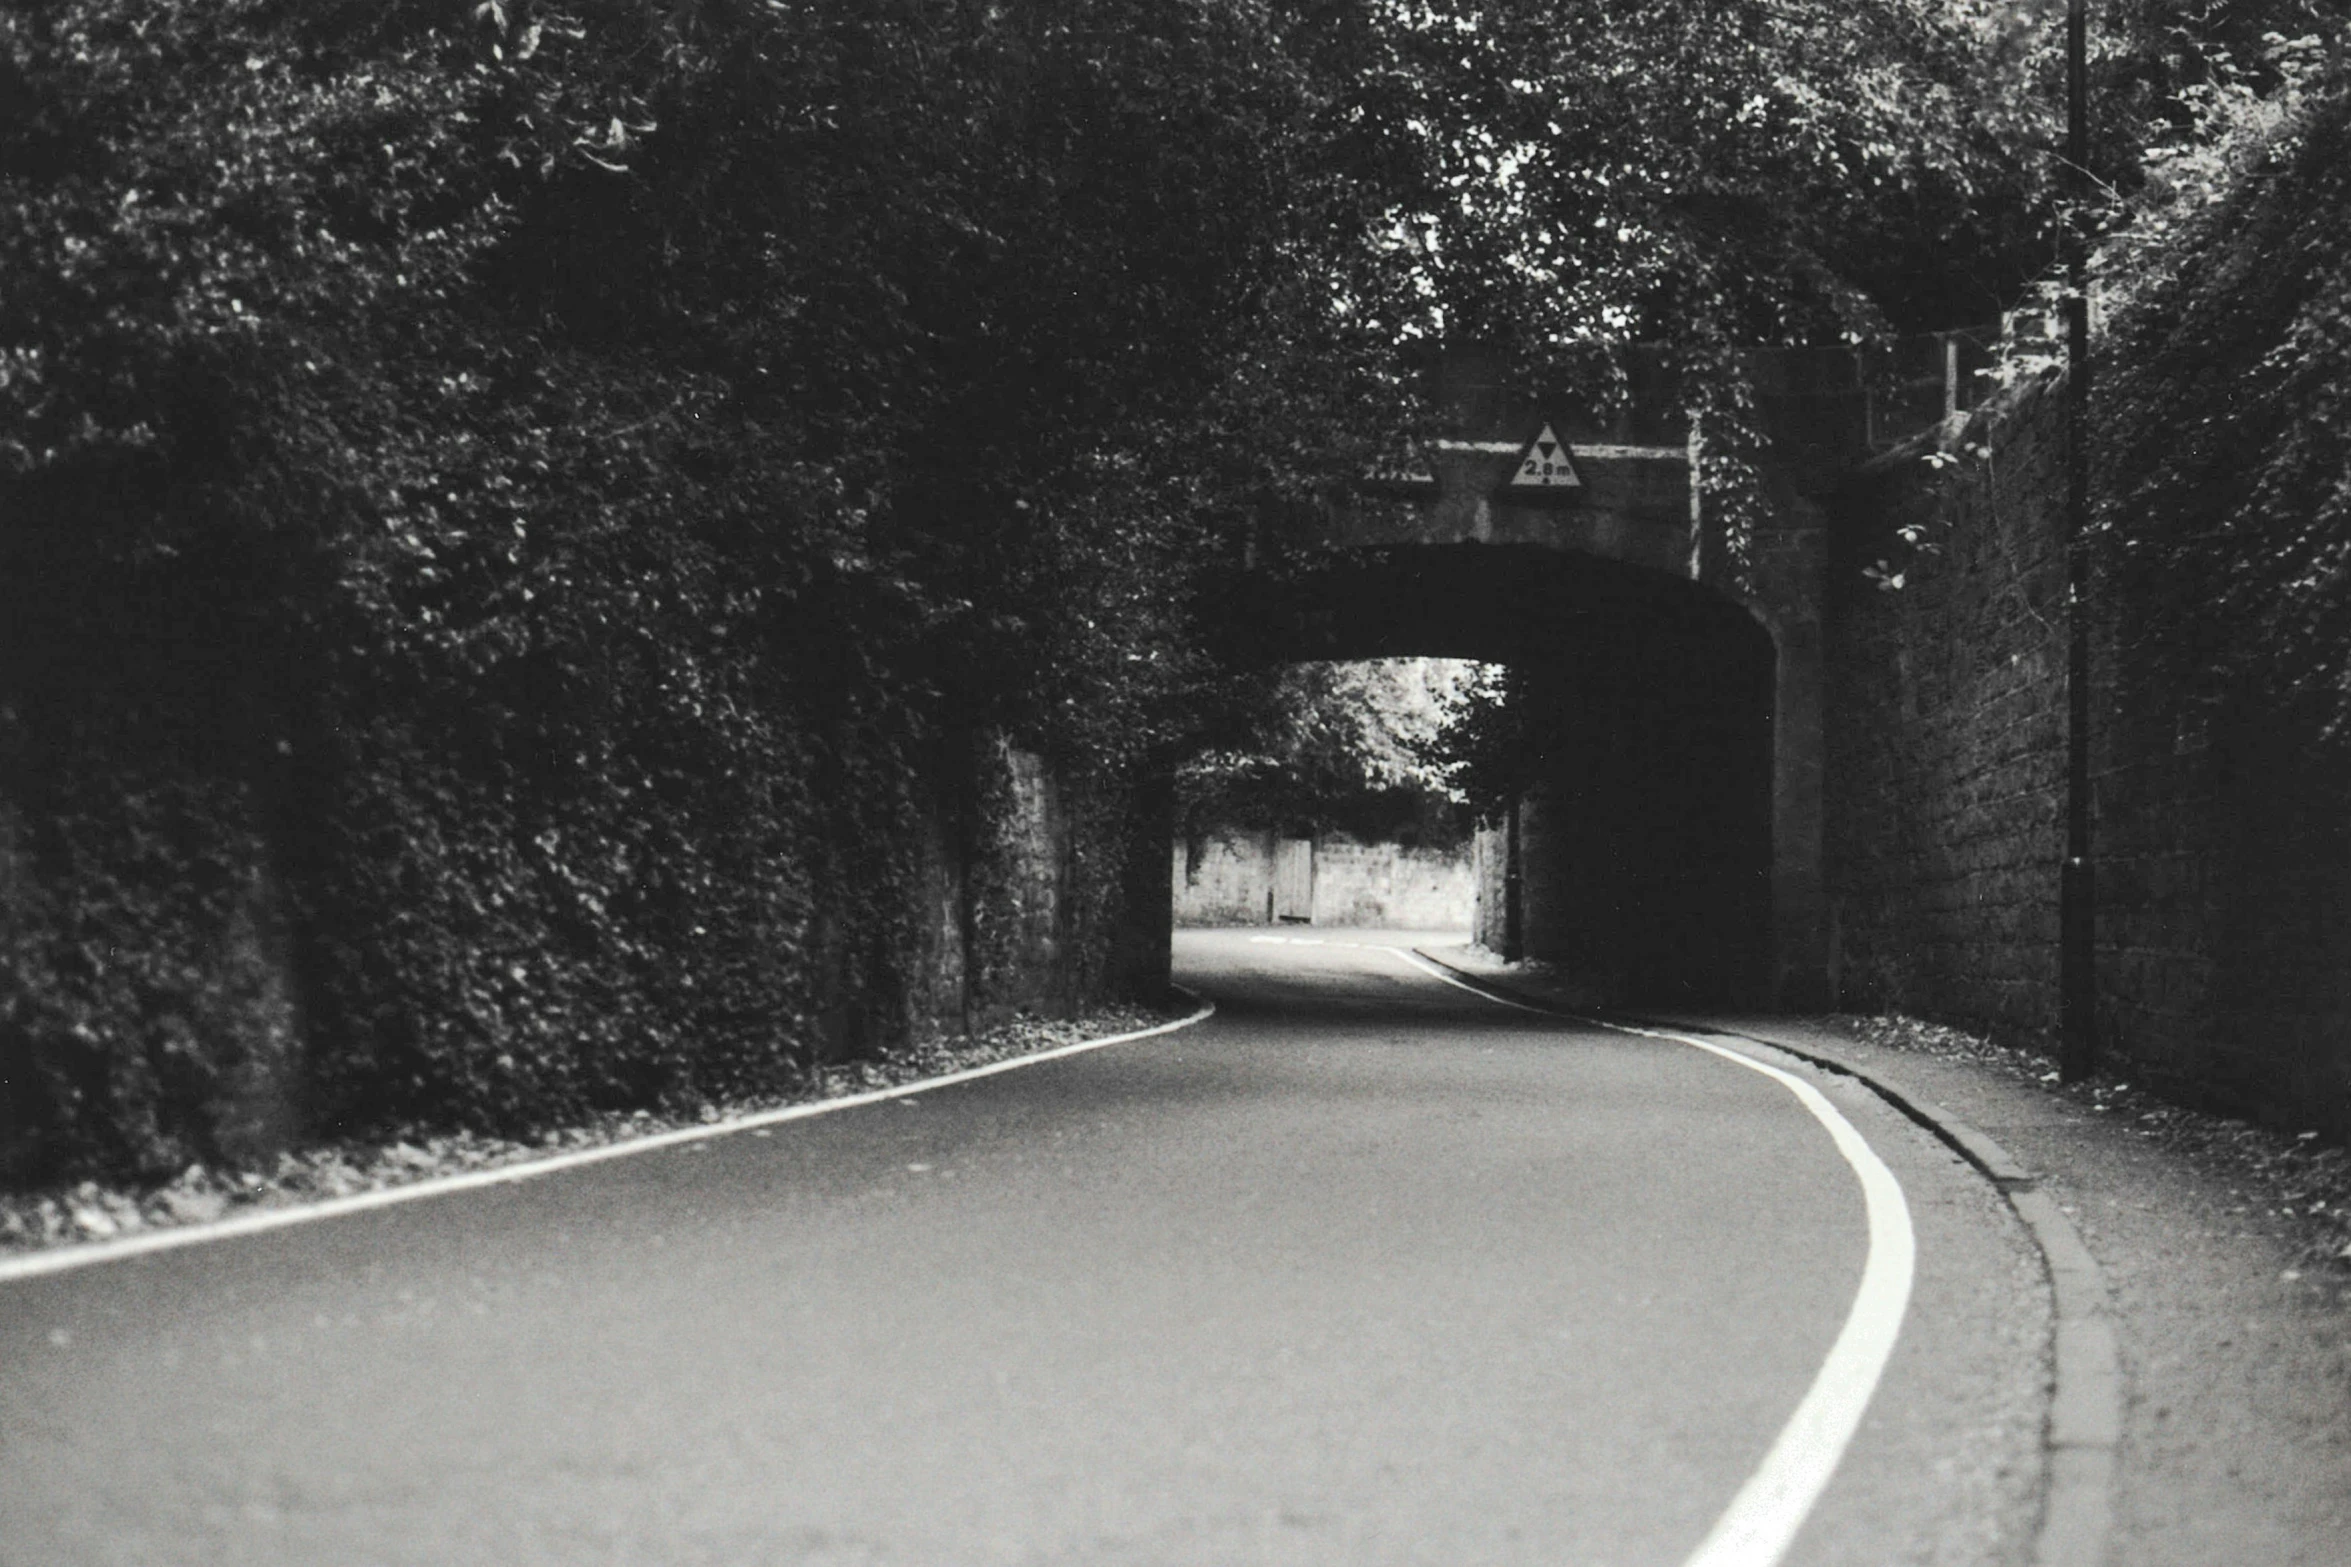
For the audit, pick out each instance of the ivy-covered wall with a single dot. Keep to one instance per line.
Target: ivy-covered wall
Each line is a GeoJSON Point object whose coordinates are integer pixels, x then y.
{"type": "Point", "coordinates": [2223, 851]}
{"type": "Point", "coordinates": [521, 575]}
{"type": "Point", "coordinates": [2224, 892]}
{"type": "Point", "coordinates": [213, 945]}
{"type": "Point", "coordinates": [1945, 728]}
{"type": "Point", "coordinates": [2223, 752]}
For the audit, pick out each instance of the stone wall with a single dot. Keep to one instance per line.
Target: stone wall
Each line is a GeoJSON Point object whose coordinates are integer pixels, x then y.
{"type": "Point", "coordinates": [2224, 892]}
{"type": "Point", "coordinates": [1945, 730]}
{"type": "Point", "coordinates": [1226, 878]}
{"type": "Point", "coordinates": [2222, 845]}
{"type": "Point", "coordinates": [1388, 886]}
{"type": "Point", "coordinates": [1032, 895]}
{"type": "Point", "coordinates": [1012, 920]}
{"type": "Point", "coordinates": [171, 903]}
{"type": "Point", "coordinates": [1490, 875]}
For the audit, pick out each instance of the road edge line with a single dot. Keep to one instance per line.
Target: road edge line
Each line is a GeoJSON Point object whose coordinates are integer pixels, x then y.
{"type": "Point", "coordinates": [2083, 1436]}
{"type": "Point", "coordinates": [1759, 1525]}
{"type": "Point", "coordinates": [72, 1258]}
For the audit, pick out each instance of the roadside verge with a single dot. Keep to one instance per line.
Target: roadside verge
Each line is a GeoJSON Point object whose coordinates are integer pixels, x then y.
{"type": "Point", "coordinates": [67, 1257]}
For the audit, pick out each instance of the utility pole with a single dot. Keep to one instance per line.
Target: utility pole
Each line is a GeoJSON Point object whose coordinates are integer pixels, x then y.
{"type": "Point", "coordinates": [2077, 904]}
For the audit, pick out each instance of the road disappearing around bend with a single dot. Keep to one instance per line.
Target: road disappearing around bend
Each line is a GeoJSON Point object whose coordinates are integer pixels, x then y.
{"type": "Point", "coordinates": [1364, 1269]}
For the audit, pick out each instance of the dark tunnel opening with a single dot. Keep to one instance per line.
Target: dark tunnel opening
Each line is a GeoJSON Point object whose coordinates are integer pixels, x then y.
{"type": "Point", "coordinates": [1639, 861]}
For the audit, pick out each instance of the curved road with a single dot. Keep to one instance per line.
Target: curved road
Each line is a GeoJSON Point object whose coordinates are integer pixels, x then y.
{"type": "Point", "coordinates": [1367, 1269]}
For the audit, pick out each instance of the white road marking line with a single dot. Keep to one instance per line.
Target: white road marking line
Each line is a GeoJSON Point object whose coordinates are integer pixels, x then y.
{"type": "Point", "coordinates": [1415, 960]}
{"type": "Point", "coordinates": [1369, 946]}
{"type": "Point", "coordinates": [65, 1259]}
{"type": "Point", "coordinates": [1762, 1519]}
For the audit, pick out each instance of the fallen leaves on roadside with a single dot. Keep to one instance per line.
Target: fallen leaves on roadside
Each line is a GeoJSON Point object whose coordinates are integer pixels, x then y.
{"type": "Point", "coordinates": [90, 1212]}
{"type": "Point", "coordinates": [2290, 1178]}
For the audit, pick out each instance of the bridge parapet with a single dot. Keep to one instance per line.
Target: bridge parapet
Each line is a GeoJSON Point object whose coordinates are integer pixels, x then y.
{"type": "Point", "coordinates": [1620, 491]}
{"type": "Point", "coordinates": [1636, 484]}
{"type": "Point", "coordinates": [1630, 503]}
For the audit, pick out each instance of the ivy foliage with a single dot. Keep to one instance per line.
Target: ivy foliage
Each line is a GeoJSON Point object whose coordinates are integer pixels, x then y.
{"type": "Point", "coordinates": [2225, 420]}
{"type": "Point", "coordinates": [1490, 746]}
{"type": "Point", "coordinates": [1337, 747]}
{"type": "Point", "coordinates": [516, 514]}
{"type": "Point", "coordinates": [526, 509]}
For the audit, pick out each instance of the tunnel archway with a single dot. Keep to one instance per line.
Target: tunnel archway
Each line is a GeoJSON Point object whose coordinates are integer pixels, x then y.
{"type": "Point", "coordinates": [1658, 614]}
{"type": "Point", "coordinates": [1641, 861]}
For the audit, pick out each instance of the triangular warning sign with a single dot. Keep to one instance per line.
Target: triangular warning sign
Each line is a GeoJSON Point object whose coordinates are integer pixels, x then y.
{"type": "Point", "coordinates": [1544, 464]}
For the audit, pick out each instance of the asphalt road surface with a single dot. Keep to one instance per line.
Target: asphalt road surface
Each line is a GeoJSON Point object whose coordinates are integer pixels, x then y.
{"type": "Point", "coordinates": [1366, 1269]}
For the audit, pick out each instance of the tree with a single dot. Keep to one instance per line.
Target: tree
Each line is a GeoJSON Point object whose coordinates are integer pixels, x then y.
{"type": "Point", "coordinates": [1346, 747]}
{"type": "Point", "coordinates": [566, 475]}
{"type": "Point", "coordinates": [2225, 458]}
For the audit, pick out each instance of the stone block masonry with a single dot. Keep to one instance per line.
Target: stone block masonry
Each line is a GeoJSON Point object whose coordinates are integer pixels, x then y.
{"type": "Point", "coordinates": [2223, 851]}
{"type": "Point", "coordinates": [2225, 896]}
{"type": "Point", "coordinates": [1227, 877]}
{"type": "Point", "coordinates": [1946, 741]}
{"type": "Point", "coordinates": [1392, 886]}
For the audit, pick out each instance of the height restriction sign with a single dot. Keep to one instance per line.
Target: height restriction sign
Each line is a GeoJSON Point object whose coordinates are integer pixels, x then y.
{"type": "Point", "coordinates": [1544, 465]}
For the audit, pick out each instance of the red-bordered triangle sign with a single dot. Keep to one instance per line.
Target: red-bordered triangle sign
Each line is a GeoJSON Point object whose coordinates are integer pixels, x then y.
{"type": "Point", "coordinates": [1544, 465]}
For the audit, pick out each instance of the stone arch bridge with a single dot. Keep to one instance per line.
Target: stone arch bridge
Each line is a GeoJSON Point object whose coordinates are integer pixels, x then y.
{"type": "Point", "coordinates": [1674, 849]}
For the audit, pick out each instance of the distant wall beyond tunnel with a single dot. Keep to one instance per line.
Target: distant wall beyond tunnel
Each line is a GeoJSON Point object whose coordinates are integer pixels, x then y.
{"type": "Point", "coordinates": [1232, 876]}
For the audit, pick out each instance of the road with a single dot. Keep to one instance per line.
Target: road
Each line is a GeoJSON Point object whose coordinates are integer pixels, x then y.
{"type": "Point", "coordinates": [1366, 1269]}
